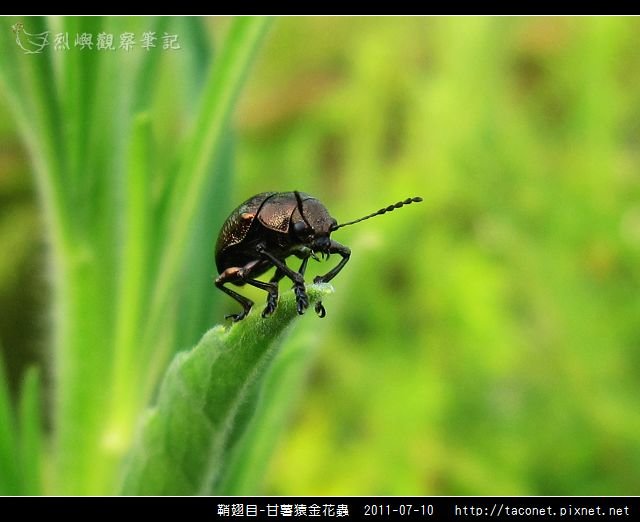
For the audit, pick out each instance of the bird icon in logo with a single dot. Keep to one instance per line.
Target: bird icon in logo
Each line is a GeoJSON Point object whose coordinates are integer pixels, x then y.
{"type": "Point", "coordinates": [30, 43]}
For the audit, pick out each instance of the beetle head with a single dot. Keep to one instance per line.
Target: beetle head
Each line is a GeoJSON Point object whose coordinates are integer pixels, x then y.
{"type": "Point", "coordinates": [312, 224]}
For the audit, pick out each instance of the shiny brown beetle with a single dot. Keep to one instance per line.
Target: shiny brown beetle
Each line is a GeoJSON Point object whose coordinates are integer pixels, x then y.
{"type": "Point", "coordinates": [267, 229]}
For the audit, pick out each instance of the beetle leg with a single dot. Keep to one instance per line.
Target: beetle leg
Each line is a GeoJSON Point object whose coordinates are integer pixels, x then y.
{"type": "Point", "coordinates": [277, 276]}
{"type": "Point", "coordinates": [272, 294]}
{"type": "Point", "coordinates": [335, 248]}
{"type": "Point", "coordinates": [240, 274]}
{"type": "Point", "coordinates": [272, 297]}
{"type": "Point", "coordinates": [302, 301]}
{"type": "Point", "coordinates": [303, 266]}
{"type": "Point", "coordinates": [320, 309]}
{"type": "Point", "coordinates": [228, 276]}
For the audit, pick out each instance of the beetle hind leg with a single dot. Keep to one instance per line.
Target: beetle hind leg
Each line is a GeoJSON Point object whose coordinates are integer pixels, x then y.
{"type": "Point", "coordinates": [232, 275]}
{"type": "Point", "coordinates": [245, 302]}
{"type": "Point", "coordinates": [239, 275]}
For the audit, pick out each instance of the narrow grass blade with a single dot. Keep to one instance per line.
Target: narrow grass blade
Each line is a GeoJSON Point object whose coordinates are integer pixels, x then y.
{"type": "Point", "coordinates": [187, 190]}
{"type": "Point", "coordinates": [31, 435]}
{"type": "Point", "coordinates": [126, 388]}
{"type": "Point", "coordinates": [9, 472]}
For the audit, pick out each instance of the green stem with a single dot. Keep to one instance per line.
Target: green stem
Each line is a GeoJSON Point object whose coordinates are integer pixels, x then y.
{"type": "Point", "coordinates": [126, 395]}
{"type": "Point", "coordinates": [220, 93]}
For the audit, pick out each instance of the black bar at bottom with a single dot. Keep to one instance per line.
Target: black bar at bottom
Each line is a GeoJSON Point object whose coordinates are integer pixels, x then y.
{"type": "Point", "coordinates": [324, 509]}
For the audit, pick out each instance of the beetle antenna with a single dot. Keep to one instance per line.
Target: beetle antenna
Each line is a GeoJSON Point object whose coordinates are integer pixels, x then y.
{"type": "Point", "coordinates": [384, 210]}
{"type": "Point", "coordinates": [299, 200]}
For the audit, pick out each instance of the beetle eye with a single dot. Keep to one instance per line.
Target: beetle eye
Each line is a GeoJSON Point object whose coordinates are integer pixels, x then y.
{"type": "Point", "coordinates": [301, 230]}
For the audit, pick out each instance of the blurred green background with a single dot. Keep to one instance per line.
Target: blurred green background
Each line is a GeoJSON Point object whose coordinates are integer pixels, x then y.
{"type": "Point", "coordinates": [483, 342]}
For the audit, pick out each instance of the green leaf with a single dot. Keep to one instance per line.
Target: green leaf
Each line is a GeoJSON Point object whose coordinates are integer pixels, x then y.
{"type": "Point", "coordinates": [245, 469]}
{"type": "Point", "coordinates": [207, 398]}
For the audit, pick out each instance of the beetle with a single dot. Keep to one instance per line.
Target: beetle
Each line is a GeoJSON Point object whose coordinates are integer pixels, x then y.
{"type": "Point", "coordinates": [267, 229]}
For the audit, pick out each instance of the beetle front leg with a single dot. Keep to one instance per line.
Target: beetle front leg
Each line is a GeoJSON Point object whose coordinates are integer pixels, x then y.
{"type": "Point", "coordinates": [318, 308]}
{"type": "Point", "coordinates": [303, 266]}
{"type": "Point", "coordinates": [335, 248]}
{"type": "Point", "coordinates": [302, 301]}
